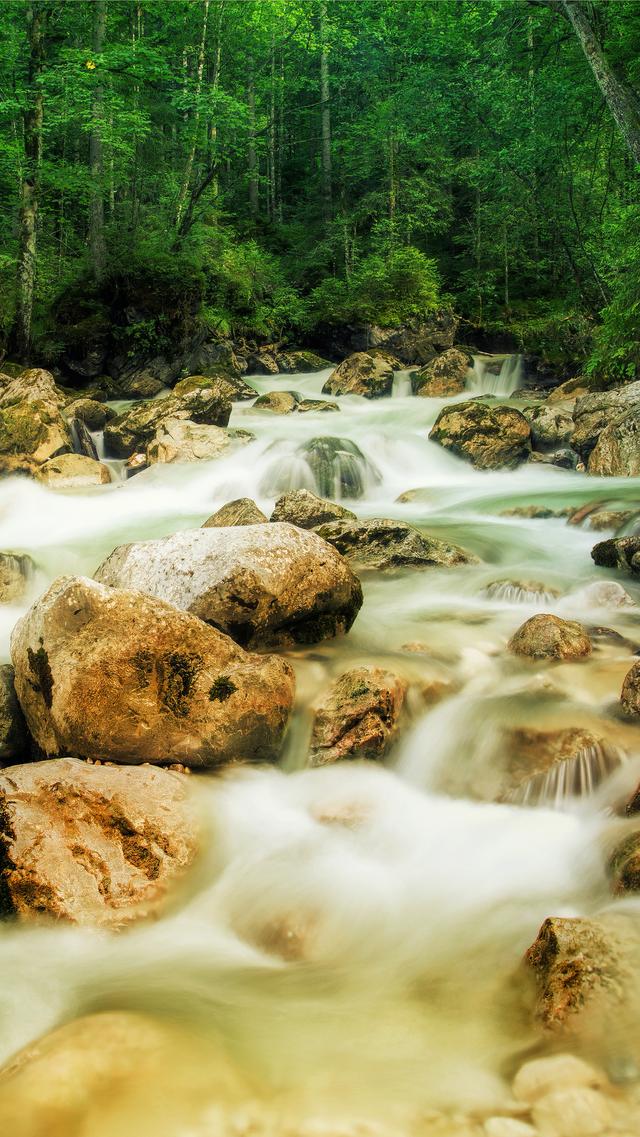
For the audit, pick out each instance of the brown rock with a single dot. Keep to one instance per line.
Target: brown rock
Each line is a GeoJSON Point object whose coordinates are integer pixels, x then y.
{"type": "Point", "coordinates": [180, 440]}
{"type": "Point", "coordinates": [264, 586]}
{"type": "Point", "coordinates": [242, 511]}
{"type": "Point", "coordinates": [92, 844]}
{"type": "Point", "coordinates": [385, 544]}
{"type": "Point", "coordinates": [617, 451]}
{"type": "Point", "coordinates": [73, 471]}
{"type": "Point", "coordinates": [225, 386]}
{"type": "Point", "coordinates": [361, 374]}
{"type": "Point", "coordinates": [108, 674]}
{"type": "Point", "coordinates": [618, 553]}
{"type": "Point", "coordinates": [133, 430]}
{"type": "Point", "coordinates": [358, 717]}
{"type": "Point", "coordinates": [34, 428]}
{"type": "Point", "coordinates": [321, 405]}
{"type": "Point", "coordinates": [489, 437]}
{"type": "Point", "coordinates": [278, 402]}
{"type": "Point", "coordinates": [444, 376]}
{"type": "Point", "coordinates": [596, 411]}
{"type": "Point", "coordinates": [548, 637]}
{"type": "Point", "coordinates": [93, 414]}
{"type": "Point", "coordinates": [306, 510]}
{"type": "Point", "coordinates": [630, 694]}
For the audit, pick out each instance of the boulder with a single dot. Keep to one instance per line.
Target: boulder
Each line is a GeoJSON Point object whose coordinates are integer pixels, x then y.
{"type": "Point", "coordinates": [414, 342]}
{"type": "Point", "coordinates": [322, 406]}
{"type": "Point", "coordinates": [35, 429]}
{"type": "Point", "coordinates": [593, 412]}
{"type": "Point", "coordinates": [444, 376]}
{"type": "Point", "coordinates": [630, 694]}
{"type": "Point", "coordinates": [180, 440]}
{"type": "Point", "coordinates": [551, 427]}
{"type": "Point", "coordinates": [95, 845]}
{"type": "Point", "coordinates": [300, 362]}
{"type": "Point", "coordinates": [73, 471]}
{"type": "Point", "coordinates": [14, 736]}
{"type": "Point", "coordinates": [361, 374]}
{"type": "Point", "coordinates": [113, 674]}
{"type": "Point", "coordinates": [141, 383]}
{"type": "Point", "coordinates": [16, 571]}
{"type": "Point", "coordinates": [548, 637]}
{"type": "Point", "coordinates": [227, 386]}
{"type": "Point", "coordinates": [489, 437]}
{"type": "Point", "coordinates": [382, 543]}
{"type": "Point", "coordinates": [263, 363]}
{"type": "Point", "coordinates": [264, 586]}
{"type": "Point", "coordinates": [93, 414]}
{"type": "Point", "coordinates": [133, 430]}
{"type": "Point", "coordinates": [243, 511]}
{"type": "Point", "coordinates": [602, 519]}
{"type": "Point", "coordinates": [216, 358]}
{"type": "Point", "coordinates": [358, 717]}
{"type": "Point", "coordinates": [278, 402]}
{"type": "Point", "coordinates": [35, 385]}
{"type": "Point", "coordinates": [570, 390]}
{"type": "Point", "coordinates": [617, 450]}
{"type": "Point", "coordinates": [624, 865]}
{"type": "Point", "coordinates": [83, 441]}
{"type": "Point", "coordinates": [306, 510]}
{"type": "Point", "coordinates": [618, 553]}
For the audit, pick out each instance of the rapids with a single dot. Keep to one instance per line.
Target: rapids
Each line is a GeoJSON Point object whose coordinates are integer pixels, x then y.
{"type": "Point", "coordinates": [350, 932]}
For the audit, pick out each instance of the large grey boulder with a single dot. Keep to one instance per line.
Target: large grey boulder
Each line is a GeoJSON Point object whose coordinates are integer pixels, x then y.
{"type": "Point", "coordinates": [593, 413]}
{"type": "Point", "coordinates": [112, 674]}
{"type": "Point", "coordinates": [265, 586]}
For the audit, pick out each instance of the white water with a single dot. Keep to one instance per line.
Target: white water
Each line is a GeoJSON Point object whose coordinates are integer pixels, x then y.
{"type": "Point", "coordinates": [499, 375]}
{"type": "Point", "coordinates": [352, 931]}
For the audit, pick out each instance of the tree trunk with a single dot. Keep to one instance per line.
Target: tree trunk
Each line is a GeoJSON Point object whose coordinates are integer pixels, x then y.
{"type": "Point", "coordinates": [213, 126]}
{"type": "Point", "coordinates": [96, 206]}
{"type": "Point", "coordinates": [36, 15]}
{"type": "Point", "coordinates": [325, 104]}
{"type": "Point", "coordinates": [184, 189]}
{"type": "Point", "coordinates": [619, 96]}
{"type": "Point", "coordinates": [252, 160]}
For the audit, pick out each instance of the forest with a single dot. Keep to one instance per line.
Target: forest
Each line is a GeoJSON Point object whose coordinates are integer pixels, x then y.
{"type": "Point", "coordinates": [273, 169]}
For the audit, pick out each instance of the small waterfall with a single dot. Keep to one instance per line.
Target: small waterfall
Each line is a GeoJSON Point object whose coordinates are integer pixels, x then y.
{"type": "Point", "coordinates": [576, 777]}
{"type": "Point", "coordinates": [512, 592]}
{"type": "Point", "coordinates": [334, 468]}
{"type": "Point", "coordinates": [495, 374]}
{"type": "Point", "coordinates": [401, 385]}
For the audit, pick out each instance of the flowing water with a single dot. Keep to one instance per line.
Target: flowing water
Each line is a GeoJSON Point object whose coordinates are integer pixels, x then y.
{"type": "Point", "coordinates": [351, 933]}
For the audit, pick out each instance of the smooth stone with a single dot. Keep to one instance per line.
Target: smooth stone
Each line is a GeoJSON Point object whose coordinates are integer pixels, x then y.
{"type": "Point", "coordinates": [242, 511]}
{"type": "Point", "coordinates": [574, 1112]}
{"type": "Point", "coordinates": [548, 637]}
{"type": "Point", "coordinates": [278, 402]}
{"type": "Point", "coordinates": [14, 737]}
{"type": "Point", "coordinates": [542, 1076]}
{"type": "Point", "coordinates": [489, 437]}
{"type": "Point", "coordinates": [443, 376]}
{"type": "Point", "coordinates": [358, 716]}
{"type": "Point", "coordinates": [306, 510]}
{"type": "Point", "coordinates": [135, 428]}
{"type": "Point", "coordinates": [361, 374]}
{"type": "Point", "coordinates": [73, 471]}
{"type": "Point", "coordinates": [386, 544]}
{"type": "Point", "coordinates": [180, 440]}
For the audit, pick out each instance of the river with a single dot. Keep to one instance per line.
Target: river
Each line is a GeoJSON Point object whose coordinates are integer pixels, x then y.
{"type": "Point", "coordinates": [413, 920]}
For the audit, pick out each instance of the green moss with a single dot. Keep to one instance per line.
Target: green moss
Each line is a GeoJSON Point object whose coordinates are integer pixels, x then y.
{"type": "Point", "coordinates": [222, 689]}
{"type": "Point", "coordinates": [41, 671]}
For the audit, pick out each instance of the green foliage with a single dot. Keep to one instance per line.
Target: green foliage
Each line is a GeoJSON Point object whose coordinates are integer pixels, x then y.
{"type": "Point", "coordinates": [385, 291]}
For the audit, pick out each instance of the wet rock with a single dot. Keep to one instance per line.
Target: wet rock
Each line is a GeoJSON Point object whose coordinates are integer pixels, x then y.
{"type": "Point", "coordinates": [630, 694]}
{"type": "Point", "coordinates": [16, 570]}
{"type": "Point", "coordinates": [618, 553]}
{"type": "Point", "coordinates": [180, 440]}
{"type": "Point", "coordinates": [242, 511]}
{"type": "Point", "coordinates": [306, 510]}
{"type": "Point", "coordinates": [358, 717]}
{"type": "Point", "coordinates": [530, 512]}
{"type": "Point", "coordinates": [566, 459]}
{"type": "Point", "coordinates": [73, 471]}
{"type": "Point", "coordinates": [263, 363]}
{"type": "Point", "coordinates": [278, 402]}
{"type": "Point", "coordinates": [571, 390]}
{"type": "Point", "coordinates": [443, 376]}
{"type": "Point", "coordinates": [548, 637]}
{"type": "Point", "coordinates": [602, 519]}
{"type": "Point", "coordinates": [576, 1112]}
{"type": "Point", "coordinates": [217, 358]}
{"type": "Point", "coordinates": [135, 464]}
{"type": "Point", "coordinates": [617, 451]}
{"type": "Point", "coordinates": [585, 976]}
{"type": "Point", "coordinates": [35, 429]}
{"type": "Point", "coordinates": [417, 341]}
{"type": "Point", "coordinates": [596, 411]}
{"type": "Point", "coordinates": [83, 442]}
{"type": "Point", "coordinates": [361, 374]}
{"type": "Point", "coordinates": [295, 362]}
{"type": "Point", "coordinates": [320, 405]}
{"type": "Point", "coordinates": [536, 756]}
{"type": "Point", "coordinates": [624, 865]}
{"type": "Point", "coordinates": [96, 845]}
{"type": "Point", "coordinates": [489, 437]}
{"type": "Point", "coordinates": [93, 414]}
{"type": "Point", "coordinates": [225, 386]}
{"type": "Point", "coordinates": [605, 594]}
{"type": "Point", "coordinates": [118, 675]}
{"type": "Point", "coordinates": [133, 430]}
{"type": "Point", "coordinates": [382, 543]}
{"type": "Point", "coordinates": [14, 736]}
{"type": "Point", "coordinates": [17, 465]}
{"type": "Point", "coordinates": [542, 1076]}
{"type": "Point", "coordinates": [421, 493]}
{"type": "Point", "coordinates": [338, 467]}
{"type": "Point", "coordinates": [520, 591]}
{"type": "Point", "coordinates": [142, 383]}
{"type": "Point", "coordinates": [264, 586]}
{"type": "Point", "coordinates": [551, 427]}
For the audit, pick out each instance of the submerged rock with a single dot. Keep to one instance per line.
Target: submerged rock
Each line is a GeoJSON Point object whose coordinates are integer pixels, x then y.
{"type": "Point", "coordinates": [548, 637]}
{"type": "Point", "coordinates": [306, 510]}
{"type": "Point", "coordinates": [443, 376]}
{"type": "Point", "coordinates": [242, 511]}
{"type": "Point", "coordinates": [96, 845]}
{"type": "Point", "coordinates": [487, 436]}
{"type": "Point", "coordinates": [180, 440]}
{"type": "Point", "coordinates": [117, 675]}
{"type": "Point", "coordinates": [264, 586]}
{"type": "Point", "coordinates": [382, 543]}
{"type": "Point", "coordinates": [277, 402]}
{"type": "Point", "coordinates": [134, 429]}
{"type": "Point", "coordinates": [338, 467]}
{"type": "Point", "coordinates": [618, 553]}
{"type": "Point", "coordinates": [358, 717]}
{"type": "Point", "coordinates": [542, 1076]}
{"type": "Point", "coordinates": [14, 736]}
{"type": "Point", "coordinates": [321, 405]}
{"type": "Point", "coordinates": [361, 374]}
{"type": "Point", "coordinates": [73, 471]}
{"type": "Point", "coordinates": [520, 591]}
{"type": "Point", "coordinates": [16, 570]}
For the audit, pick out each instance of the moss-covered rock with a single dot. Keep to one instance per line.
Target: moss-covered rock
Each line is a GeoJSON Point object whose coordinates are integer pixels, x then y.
{"type": "Point", "coordinates": [133, 430]}
{"type": "Point", "coordinates": [548, 637]}
{"type": "Point", "coordinates": [385, 544]}
{"type": "Point", "coordinates": [490, 437]}
{"type": "Point", "coordinates": [443, 376]}
{"type": "Point", "coordinates": [361, 374]}
{"type": "Point", "coordinates": [358, 717]}
{"type": "Point", "coordinates": [306, 510]}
